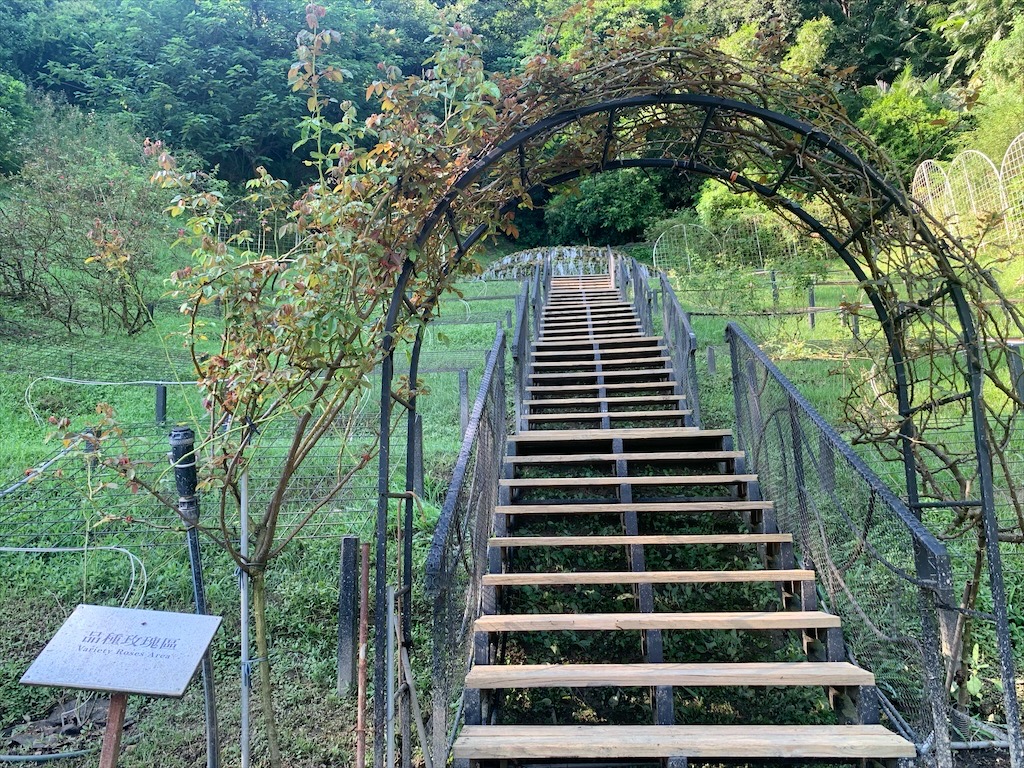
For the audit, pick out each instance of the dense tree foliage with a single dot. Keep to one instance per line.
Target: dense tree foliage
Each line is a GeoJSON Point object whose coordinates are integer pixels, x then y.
{"type": "Point", "coordinates": [206, 75]}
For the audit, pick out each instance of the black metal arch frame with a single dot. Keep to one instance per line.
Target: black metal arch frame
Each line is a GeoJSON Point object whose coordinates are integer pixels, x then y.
{"type": "Point", "coordinates": [891, 315]}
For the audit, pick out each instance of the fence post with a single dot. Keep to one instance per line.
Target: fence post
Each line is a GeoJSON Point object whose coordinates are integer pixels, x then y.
{"type": "Point", "coordinates": [417, 447]}
{"type": "Point", "coordinates": [712, 365]}
{"type": "Point", "coordinates": [348, 613]}
{"type": "Point", "coordinates": [161, 404]}
{"type": "Point", "coordinates": [810, 304]}
{"type": "Point", "coordinates": [1016, 363]}
{"type": "Point", "coordinates": [775, 290]}
{"type": "Point", "coordinates": [463, 400]}
{"type": "Point", "coordinates": [183, 461]}
{"type": "Point", "coordinates": [827, 462]}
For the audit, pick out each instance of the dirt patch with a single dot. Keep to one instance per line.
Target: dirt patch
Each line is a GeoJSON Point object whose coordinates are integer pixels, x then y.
{"type": "Point", "coordinates": [981, 758]}
{"type": "Point", "coordinates": [69, 726]}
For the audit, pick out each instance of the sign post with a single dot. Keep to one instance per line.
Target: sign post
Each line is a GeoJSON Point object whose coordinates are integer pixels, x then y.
{"type": "Point", "coordinates": [123, 651]}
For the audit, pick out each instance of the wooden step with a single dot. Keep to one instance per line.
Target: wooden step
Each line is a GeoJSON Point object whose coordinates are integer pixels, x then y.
{"type": "Point", "coordinates": [674, 540]}
{"type": "Point", "coordinates": [592, 334]}
{"type": "Point", "coordinates": [558, 402]}
{"type": "Point", "coordinates": [646, 577]}
{"type": "Point", "coordinates": [559, 482]}
{"type": "Point", "coordinates": [596, 622]}
{"type": "Point", "coordinates": [510, 742]}
{"type": "Point", "coordinates": [626, 433]}
{"type": "Point", "coordinates": [586, 458]}
{"type": "Point", "coordinates": [622, 338]}
{"type": "Point", "coordinates": [497, 676]}
{"type": "Point", "coordinates": [576, 309]}
{"type": "Point", "coordinates": [585, 323]}
{"type": "Point", "coordinates": [606, 352]}
{"type": "Point", "coordinates": [587, 387]}
{"type": "Point", "coordinates": [597, 415]}
{"type": "Point", "coordinates": [665, 371]}
{"type": "Point", "coordinates": [617, 508]}
{"type": "Point", "coordinates": [610, 342]}
{"type": "Point", "coordinates": [595, 362]}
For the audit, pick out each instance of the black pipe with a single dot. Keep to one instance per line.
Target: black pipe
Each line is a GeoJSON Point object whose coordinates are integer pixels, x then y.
{"type": "Point", "coordinates": [183, 459]}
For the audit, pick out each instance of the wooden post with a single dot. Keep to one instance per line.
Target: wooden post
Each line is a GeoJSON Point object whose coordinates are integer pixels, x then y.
{"type": "Point", "coordinates": [810, 304]}
{"type": "Point", "coordinates": [115, 727]}
{"type": "Point", "coordinates": [712, 367]}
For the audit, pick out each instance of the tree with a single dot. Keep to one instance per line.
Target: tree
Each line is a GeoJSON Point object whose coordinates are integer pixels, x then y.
{"type": "Point", "coordinates": [303, 330]}
{"type": "Point", "coordinates": [82, 192]}
{"type": "Point", "coordinates": [607, 209]}
{"type": "Point", "coordinates": [909, 122]}
{"type": "Point", "coordinates": [808, 52]}
{"type": "Point", "coordinates": [14, 122]}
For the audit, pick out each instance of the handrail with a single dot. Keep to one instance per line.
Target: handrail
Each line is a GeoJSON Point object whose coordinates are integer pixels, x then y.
{"type": "Point", "coordinates": [438, 544]}
{"type": "Point", "coordinates": [936, 549]}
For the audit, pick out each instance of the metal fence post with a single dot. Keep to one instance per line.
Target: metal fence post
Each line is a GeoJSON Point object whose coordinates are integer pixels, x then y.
{"type": "Point", "coordinates": [810, 304]}
{"type": "Point", "coordinates": [183, 460]}
{"type": "Point", "coordinates": [417, 467]}
{"type": "Point", "coordinates": [1013, 359]}
{"type": "Point", "coordinates": [161, 404]}
{"type": "Point", "coordinates": [348, 613]}
{"type": "Point", "coordinates": [463, 401]}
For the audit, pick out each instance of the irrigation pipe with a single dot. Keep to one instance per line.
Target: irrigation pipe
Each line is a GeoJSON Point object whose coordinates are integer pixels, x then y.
{"type": "Point", "coordinates": [89, 383]}
{"type": "Point", "coordinates": [47, 758]}
{"type": "Point", "coordinates": [36, 471]}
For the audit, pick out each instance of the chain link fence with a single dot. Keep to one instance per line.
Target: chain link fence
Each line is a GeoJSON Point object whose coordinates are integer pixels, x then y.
{"type": "Point", "coordinates": [879, 568]}
{"type": "Point", "coordinates": [458, 553]}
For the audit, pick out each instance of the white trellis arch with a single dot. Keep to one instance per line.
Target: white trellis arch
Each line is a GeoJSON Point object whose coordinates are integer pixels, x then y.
{"type": "Point", "coordinates": [977, 190]}
{"type": "Point", "coordinates": [681, 241]}
{"type": "Point", "coordinates": [932, 191]}
{"type": "Point", "coordinates": [1011, 174]}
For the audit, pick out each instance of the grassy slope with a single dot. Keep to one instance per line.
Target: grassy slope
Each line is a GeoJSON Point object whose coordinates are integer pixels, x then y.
{"type": "Point", "coordinates": [39, 590]}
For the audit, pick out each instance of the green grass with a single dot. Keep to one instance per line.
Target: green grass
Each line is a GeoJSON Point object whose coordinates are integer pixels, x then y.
{"type": "Point", "coordinates": [38, 591]}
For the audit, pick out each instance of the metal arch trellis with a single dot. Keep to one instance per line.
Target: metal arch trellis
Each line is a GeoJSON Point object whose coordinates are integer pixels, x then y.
{"type": "Point", "coordinates": [866, 211]}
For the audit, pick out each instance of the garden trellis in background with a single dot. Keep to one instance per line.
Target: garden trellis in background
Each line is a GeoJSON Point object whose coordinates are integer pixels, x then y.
{"type": "Point", "coordinates": [682, 107]}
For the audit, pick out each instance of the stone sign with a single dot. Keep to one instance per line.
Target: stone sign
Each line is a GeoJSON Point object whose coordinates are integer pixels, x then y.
{"type": "Point", "coordinates": [153, 653]}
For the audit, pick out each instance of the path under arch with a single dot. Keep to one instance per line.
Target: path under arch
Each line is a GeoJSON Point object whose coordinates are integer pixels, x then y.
{"type": "Point", "coordinates": [637, 584]}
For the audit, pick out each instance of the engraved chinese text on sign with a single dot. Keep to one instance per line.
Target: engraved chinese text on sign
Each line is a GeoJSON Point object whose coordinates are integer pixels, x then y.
{"type": "Point", "coordinates": [153, 653]}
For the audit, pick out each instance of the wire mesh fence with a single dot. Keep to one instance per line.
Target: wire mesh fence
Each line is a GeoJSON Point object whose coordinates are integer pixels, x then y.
{"type": "Point", "coordinates": [879, 567]}
{"type": "Point", "coordinates": [974, 197]}
{"type": "Point", "coordinates": [457, 557]}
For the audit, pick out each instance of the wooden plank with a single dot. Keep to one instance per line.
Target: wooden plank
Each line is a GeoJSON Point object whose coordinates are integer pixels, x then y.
{"type": "Point", "coordinates": [583, 458]}
{"type": "Point", "coordinates": [510, 742]}
{"type": "Point", "coordinates": [646, 577]}
{"type": "Point", "coordinates": [675, 540]}
{"type": "Point", "coordinates": [667, 370]}
{"type": "Point", "coordinates": [625, 338]}
{"type": "Point", "coordinates": [626, 433]}
{"type": "Point", "coordinates": [592, 415]}
{"type": "Point", "coordinates": [594, 362]}
{"type": "Point", "coordinates": [497, 676]}
{"type": "Point", "coordinates": [558, 482]}
{"type": "Point", "coordinates": [616, 508]}
{"type": "Point", "coordinates": [596, 622]}
{"type": "Point", "coordinates": [636, 398]}
{"type": "Point", "coordinates": [589, 332]}
{"type": "Point", "coordinates": [616, 351]}
{"type": "Point", "coordinates": [557, 402]}
{"type": "Point", "coordinates": [613, 386]}
{"type": "Point", "coordinates": [590, 322]}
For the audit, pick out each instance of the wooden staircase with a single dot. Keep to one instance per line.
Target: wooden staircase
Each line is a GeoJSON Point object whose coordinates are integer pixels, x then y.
{"type": "Point", "coordinates": [602, 641]}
